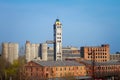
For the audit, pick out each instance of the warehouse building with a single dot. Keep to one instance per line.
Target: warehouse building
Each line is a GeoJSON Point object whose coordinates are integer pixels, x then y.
{"type": "Point", "coordinates": [54, 69]}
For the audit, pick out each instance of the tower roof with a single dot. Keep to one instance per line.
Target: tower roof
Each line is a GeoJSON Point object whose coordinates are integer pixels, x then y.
{"type": "Point", "coordinates": [57, 22]}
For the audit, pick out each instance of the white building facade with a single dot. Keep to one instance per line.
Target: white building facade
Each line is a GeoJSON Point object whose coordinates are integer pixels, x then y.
{"type": "Point", "coordinates": [57, 40]}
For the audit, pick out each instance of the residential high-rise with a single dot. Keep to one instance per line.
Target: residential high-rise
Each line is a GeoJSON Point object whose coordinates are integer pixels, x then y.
{"type": "Point", "coordinates": [57, 40]}
{"type": "Point", "coordinates": [98, 53]}
{"type": "Point", "coordinates": [10, 51]}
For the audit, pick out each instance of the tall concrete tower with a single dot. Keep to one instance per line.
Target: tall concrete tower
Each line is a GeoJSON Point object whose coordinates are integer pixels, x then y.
{"type": "Point", "coordinates": [10, 51]}
{"type": "Point", "coordinates": [43, 51]}
{"type": "Point", "coordinates": [57, 40]}
{"type": "Point", "coordinates": [27, 51]}
{"type": "Point", "coordinates": [32, 51]}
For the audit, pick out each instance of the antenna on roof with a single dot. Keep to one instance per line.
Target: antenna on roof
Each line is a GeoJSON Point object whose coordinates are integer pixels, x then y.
{"type": "Point", "coordinates": [57, 17]}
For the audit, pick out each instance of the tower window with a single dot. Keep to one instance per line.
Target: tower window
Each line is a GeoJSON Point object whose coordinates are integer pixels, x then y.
{"type": "Point", "coordinates": [58, 37]}
{"type": "Point", "coordinates": [58, 33]}
{"type": "Point", "coordinates": [58, 26]}
{"type": "Point", "coordinates": [59, 41]}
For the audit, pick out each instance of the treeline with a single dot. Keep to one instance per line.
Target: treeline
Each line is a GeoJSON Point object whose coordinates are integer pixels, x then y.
{"type": "Point", "coordinates": [11, 71]}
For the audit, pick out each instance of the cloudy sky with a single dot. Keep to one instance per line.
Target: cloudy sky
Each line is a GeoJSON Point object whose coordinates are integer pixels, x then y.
{"type": "Point", "coordinates": [85, 22]}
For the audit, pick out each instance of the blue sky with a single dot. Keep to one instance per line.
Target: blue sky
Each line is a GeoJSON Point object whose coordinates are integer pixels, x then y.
{"type": "Point", "coordinates": [85, 22]}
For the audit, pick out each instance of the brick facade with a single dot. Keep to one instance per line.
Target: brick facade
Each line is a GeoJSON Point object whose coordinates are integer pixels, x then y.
{"type": "Point", "coordinates": [38, 71]}
{"type": "Point", "coordinates": [102, 69]}
{"type": "Point", "coordinates": [100, 53]}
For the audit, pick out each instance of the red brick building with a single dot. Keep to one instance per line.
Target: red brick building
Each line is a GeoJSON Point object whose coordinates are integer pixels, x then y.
{"type": "Point", "coordinates": [102, 69]}
{"type": "Point", "coordinates": [52, 69]}
{"type": "Point", "coordinates": [96, 53]}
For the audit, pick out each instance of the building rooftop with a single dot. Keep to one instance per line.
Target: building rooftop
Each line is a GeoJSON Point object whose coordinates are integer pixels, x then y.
{"type": "Point", "coordinates": [111, 62]}
{"type": "Point", "coordinates": [58, 63]}
{"type": "Point", "coordinates": [114, 54]}
{"type": "Point", "coordinates": [99, 46]}
{"type": "Point", "coordinates": [57, 19]}
{"type": "Point", "coordinates": [76, 78]}
{"type": "Point", "coordinates": [66, 55]}
{"type": "Point", "coordinates": [63, 78]}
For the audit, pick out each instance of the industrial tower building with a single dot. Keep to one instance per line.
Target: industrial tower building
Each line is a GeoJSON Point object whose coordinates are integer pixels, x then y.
{"type": "Point", "coordinates": [43, 51]}
{"type": "Point", "coordinates": [10, 51]}
{"type": "Point", "coordinates": [35, 51]}
{"type": "Point", "coordinates": [31, 51]}
{"type": "Point", "coordinates": [57, 40]}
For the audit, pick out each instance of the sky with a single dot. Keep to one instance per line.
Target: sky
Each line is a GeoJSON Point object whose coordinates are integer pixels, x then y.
{"type": "Point", "coordinates": [85, 22]}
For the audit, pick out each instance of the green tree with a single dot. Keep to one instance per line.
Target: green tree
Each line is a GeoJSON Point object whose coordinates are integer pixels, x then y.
{"type": "Point", "coordinates": [8, 70]}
